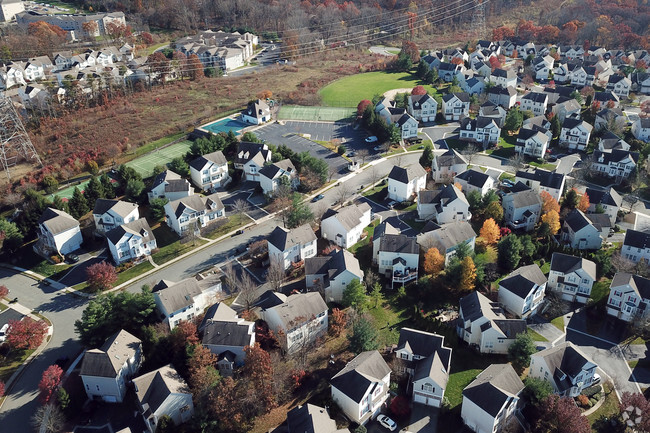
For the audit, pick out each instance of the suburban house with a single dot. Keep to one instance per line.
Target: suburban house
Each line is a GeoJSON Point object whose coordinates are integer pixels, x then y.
{"type": "Point", "coordinates": [538, 123]}
{"type": "Point", "coordinates": [422, 108]}
{"type": "Point", "coordinates": [193, 212]}
{"type": "Point", "coordinates": [257, 112]}
{"type": "Point", "coordinates": [209, 172]}
{"type": "Point", "coordinates": [606, 99]}
{"type": "Point", "coordinates": [493, 111]}
{"type": "Point", "coordinates": [505, 97]}
{"type": "Point", "coordinates": [445, 205]}
{"type": "Point", "coordinates": [542, 180]}
{"type": "Point", "coordinates": [291, 246]}
{"type": "Point", "coordinates": [565, 367]}
{"type": "Point", "coordinates": [619, 164]}
{"type": "Point", "coordinates": [483, 325]}
{"type": "Point", "coordinates": [522, 291]}
{"type": "Point", "coordinates": [397, 257]}
{"type": "Point", "coordinates": [171, 186]}
{"type": "Point", "coordinates": [332, 274]}
{"type": "Point", "coordinates": [620, 85]}
{"type": "Point", "coordinates": [427, 361]}
{"type": "Point", "coordinates": [227, 339]}
{"type": "Point", "coordinates": [447, 71]}
{"type": "Point", "coordinates": [445, 166]}
{"type": "Point", "coordinates": [580, 232]}
{"type": "Point", "coordinates": [566, 108]}
{"type": "Point", "coordinates": [482, 130]}
{"type": "Point", "coordinates": [447, 237]}
{"type": "Point", "coordinates": [455, 106]}
{"type": "Point", "coordinates": [106, 371]}
{"type": "Point", "coordinates": [575, 134]}
{"type": "Point", "coordinates": [474, 85]}
{"type": "Point", "coordinates": [251, 157]}
{"type": "Point", "coordinates": [561, 73]}
{"type": "Point", "coordinates": [474, 180]}
{"type": "Point", "coordinates": [522, 209]}
{"type": "Point", "coordinates": [345, 226]}
{"type": "Point", "coordinates": [362, 387]}
{"type": "Point", "coordinates": [504, 78]}
{"type": "Point", "coordinates": [9, 9]}
{"type": "Point", "coordinates": [131, 241]}
{"type": "Point", "coordinates": [309, 418]}
{"type": "Point", "coordinates": [58, 233]}
{"type": "Point", "coordinates": [572, 277]}
{"type": "Point", "coordinates": [543, 65]}
{"type": "Point", "coordinates": [610, 141]}
{"type": "Point", "coordinates": [532, 142]}
{"type": "Point", "coordinates": [109, 214]}
{"type": "Point", "coordinates": [407, 124]}
{"type": "Point", "coordinates": [302, 318]}
{"type": "Point", "coordinates": [608, 117]}
{"type": "Point", "coordinates": [183, 300]}
{"type": "Point", "coordinates": [629, 297]}
{"type": "Point", "coordinates": [636, 246]}
{"type": "Point", "coordinates": [404, 183]}
{"type": "Point", "coordinates": [641, 129]}
{"type": "Point", "coordinates": [604, 201]}
{"type": "Point", "coordinates": [491, 400]}
{"type": "Point", "coordinates": [534, 102]}
{"type": "Point", "coordinates": [163, 392]}
{"type": "Point", "coordinates": [278, 173]}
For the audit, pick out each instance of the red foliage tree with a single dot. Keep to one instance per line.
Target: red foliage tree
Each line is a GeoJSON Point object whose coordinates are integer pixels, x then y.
{"type": "Point", "coordinates": [184, 334]}
{"type": "Point", "coordinates": [298, 378]}
{"type": "Point", "coordinates": [561, 415]}
{"type": "Point", "coordinates": [419, 90]}
{"type": "Point", "coordinates": [227, 406]}
{"type": "Point", "coordinates": [527, 30]}
{"type": "Point", "coordinates": [147, 38]}
{"type": "Point", "coordinates": [49, 382]}
{"type": "Point", "coordinates": [505, 231]}
{"type": "Point", "coordinates": [101, 276]}
{"type": "Point", "coordinates": [202, 374]}
{"type": "Point", "coordinates": [338, 322]}
{"type": "Point", "coordinates": [259, 369]}
{"type": "Point", "coordinates": [47, 35]}
{"type": "Point", "coordinates": [634, 401]}
{"type": "Point", "coordinates": [457, 61]}
{"type": "Point", "coordinates": [399, 407]}
{"type": "Point", "coordinates": [159, 65]}
{"type": "Point", "coordinates": [2, 389]}
{"type": "Point", "coordinates": [362, 107]}
{"type": "Point", "coordinates": [494, 63]}
{"type": "Point", "coordinates": [548, 34]}
{"type": "Point", "coordinates": [26, 334]}
{"type": "Point", "coordinates": [3, 291]}
{"type": "Point", "coordinates": [502, 33]}
{"type": "Point", "coordinates": [411, 50]}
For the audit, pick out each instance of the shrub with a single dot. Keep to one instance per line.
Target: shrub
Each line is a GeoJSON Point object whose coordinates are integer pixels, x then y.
{"type": "Point", "coordinates": [592, 401]}
{"type": "Point", "coordinates": [56, 259]}
{"type": "Point", "coordinates": [583, 400]}
{"type": "Point", "coordinates": [341, 150]}
{"type": "Point", "coordinates": [591, 391]}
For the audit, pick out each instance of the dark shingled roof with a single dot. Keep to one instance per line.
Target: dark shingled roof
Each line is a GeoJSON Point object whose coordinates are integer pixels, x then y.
{"type": "Point", "coordinates": [546, 178]}
{"type": "Point", "coordinates": [522, 280]}
{"type": "Point", "coordinates": [399, 244]}
{"type": "Point", "coordinates": [359, 374]}
{"type": "Point", "coordinates": [153, 388]}
{"type": "Point", "coordinates": [424, 344]}
{"type": "Point", "coordinates": [108, 360]}
{"type": "Point", "coordinates": [227, 333]}
{"type": "Point", "coordinates": [121, 208]}
{"type": "Point", "coordinates": [566, 264]}
{"type": "Point", "coordinates": [616, 155]}
{"type": "Point", "coordinates": [139, 227]}
{"type": "Point", "coordinates": [577, 220]}
{"type": "Point", "coordinates": [449, 158]}
{"type": "Point", "coordinates": [214, 157]}
{"type": "Point", "coordinates": [405, 175]}
{"type": "Point", "coordinates": [536, 97]}
{"type": "Point", "coordinates": [474, 177]}
{"type": "Point", "coordinates": [310, 419]}
{"type": "Point", "coordinates": [284, 239]}
{"type": "Point", "coordinates": [640, 284]}
{"type": "Point", "coordinates": [567, 359]}
{"type": "Point", "coordinates": [464, 97]}
{"type": "Point", "coordinates": [609, 197]}
{"type": "Point", "coordinates": [637, 239]}
{"type": "Point", "coordinates": [493, 387]}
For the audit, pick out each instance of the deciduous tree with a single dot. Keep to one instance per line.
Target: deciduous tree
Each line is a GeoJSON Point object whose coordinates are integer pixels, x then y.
{"type": "Point", "coordinates": [434, 262]}
{"type": "Point", "coordinates": [490, 231]}
{"type": "Point", "coordinates": [583, 203]}
{"type": "Point", "coordinates": [338, 322]}
{"type": "Point", "coordinates": [641, 417]}
{"type": "Point", "coordinates": [3, 292]}
{"type": "Point", "coordinates": [101, 276]}
{"type": "Point", "coordinates": [203, 376]}
{"type": "Point", "coordinates": [520, 350]}
{"type": "Point", "coordinates": [537, 390]}
{"type": "Point", "coordinates": [361, 107]}
{"type": "Point", "coordinates": [494, 211]}
{"type": "Point", "coordinates": [26, 333]}
{"type": "Point", "coordinates": [419, 90]}
{"type": "Point", "coordinates": [560, 415]}
{"type": "Point", "coordinates": [2, 389]}
{"type": "Point", "coordinates": [549, 203]}
{"type": "Point", "coordinates": [467, 274]}
{"type": "Point", "coordinates": [194, 68]}
{"type": "Point", "coordinates": [49, 381]}
{"type": "Point", "coordinates": [259, 369]}
{"type": "Point", "coordinates": [552, 219]}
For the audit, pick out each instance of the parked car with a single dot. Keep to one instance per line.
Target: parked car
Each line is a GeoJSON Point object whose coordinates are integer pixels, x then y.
{"type": "Point", "coordinates": [371, 139]}
{"type": "Point", "coordinates": [508, 183]}
{"type": "Point", "coordinates": [3, 331]}
{"type": "Point", "coordinates": [391, 204]}
{"type": "Point", "coordinates": [238, 232]}
{"type": "Point", "coordinates": [377, 148]}
{"type": "Point", "coordinates": [387, 422]}
{"type": "Point", "coordinates": [351, 154]}
{"type": "Point", "coordinates": [72, 258]}
{"type": "Point", "coordinates": [596, 379]}
{"type": "Point", "coordinates": [317, 198]}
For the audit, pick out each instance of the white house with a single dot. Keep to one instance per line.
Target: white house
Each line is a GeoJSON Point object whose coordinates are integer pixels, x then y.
{"type": "Point", "coordinates": [543, 65]}
{"type": "Point", "coordinates": [292, 246]}
{"type": "Point", "coordinates": [575, 134]}
{"type": "Point", "coordinates": [636, 246]}
{"type": "Point", "coordinates": [490, 401]}
{"type": "Point", "coordinates": [483, 325]}
{"type": "Point", "coordinates": [163, 392]}
{"type": "Point", "coordinates": [278, 173]}
{"type": "Point", "coordinates": [534, 102]}
{"type": "Point", "coordinates": [532, 142]}
{"type": "Point", "coordinates": [522, 291]}
{"type": "Point", "coordinates": [183, 300]}
{"type": "Point", "coordinates": [493, 111]}
{"type": "Point", "coordinates": [131, 240]}
{"type": "Point", "coordinates": [423, 108]}
{"type": "Point", "coordinates": [445, 205]}
{"type": "Point", "coordinates": [171, 186]}
{"type": "Point", "coordinates": [209, 172]}
{"type": "Point", "coordinates": [542, 180]}
{"type": "Point", "coordinates": [58, 233]}
{"type": "Point", "coordinates": [404, 183]}
{"type": "Point", "coordinates": [447, 237]}
{"type": "Point", "coordinates": [455, 106]}
{"type": "Point", "coordinates": [427, 361]}
{"type": "Point", "coordinates": [561, 73]}
{"type": "Point", "coordinates": [474, 180]}
{"type": "Point", "coordinates": [106, 371]}
{"type": "Point", "coordinates": [629, 297]}
{"type": "Point", "coordinates": [407, 125]}
{"type": "Point", "coordinates": [302, 318]}
{"type": "Point", "coordinates": [619, 164]}
{"type": "Point", "coordinates": [10, 8]}
{"type": "Point", "coordinates": [522, 209]}
{"type": "Point", "coordinates": [610, 141]}
{"type": "Point", "coordinates": [345, 226]}
{"type": "Point", "coordinates": [566, 107]}
{"type": "Point", "coordinates": [332, 274]}
{"type": "Point", "coordinates": [572, 277]}
{"type": "Point", "coordinates": [620, 85]}
{"type": "Point", "coordinates": [604, 201]}
{"type": "Point", "coordinates": [446, 165]}
{"type": "Point", "coordinates": [193, 212]}
{"type": "Point", "coordinates": [473, 85]}
{"type": "Point", "coordinates": [606, 99]}
{"type": "Point", "coordinates": [447, 71]}
{"type": "Point", "coordinates": [227, 339]}
{"type": "Point", "coordinates": [504, 78]}
{"type": "Point", "coordinates": [482, 130]}
{"type": "Point", "coordinates": [641, 129]}
{"type": "Point", "coordinates": [362, 387]}
{"type": "Point", "coordinates": [397, 257]}
{"type": "Point", "coordinates": [577, 75]}
{"type": "Point", "coordinates": [257, 112]}
{"type": "Point", "coordinates": [109, 214]}
{"type": "Point", "coordinates": [505, 97]}
{"type": "Point", "coordinates": [578, 231]}
{"type": "Point", "coordinates": [251, 157]}
{"type": "Point", "coordinates": [565, 367]}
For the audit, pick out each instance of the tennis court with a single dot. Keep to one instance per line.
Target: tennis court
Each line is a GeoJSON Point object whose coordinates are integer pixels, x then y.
{"type": "Point", "coordinates": [145, 164]}
{"type": "Point", "coordinates": [328, 114]}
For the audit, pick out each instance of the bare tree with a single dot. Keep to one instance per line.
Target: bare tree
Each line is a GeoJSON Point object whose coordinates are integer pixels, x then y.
{"type": "Point", "coordinates": [517, 161]}
{"type": "Point", "coordinates": [331, 171]}
{"type": "Point", "coordinates": [276, 273]}
{"type": "Point", "coordinates": [398, 160]}
{"type": "Point", "coordinates": [12, 199]}
{"type": "Point", "coordinates": [49, 416]}
{"type": "Point", "coordinates": [343, 192]}
{"type": "Point", "coordinates": [370, 278]}
{"type": "Point", "coordinates": [231, 277]}
{"type": "Point", "coordinates": [240, 207]}
{"type": "Point", "coordinates": [190, 234]}
{"type": "Point", "coordinates": [621, 264]}
{"type": "Point", "coordinates": [363, 154]}
{"type": "Point", "coordinates": [247, 290]}
{"type": "Point", "coordinates": [469, 153]}
{"type": "Point", "coordinates": [374, 175]}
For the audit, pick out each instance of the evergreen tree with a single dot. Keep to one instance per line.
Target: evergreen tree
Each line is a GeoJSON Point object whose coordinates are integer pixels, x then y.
{"type": "Point", "coordinates": [423, 69]}
{"type": "Point", "coordinates": [58, 203]}
{"type": "Point", "coordinates": [355, 296]}
{"type": "Point", "coordinates": [514, 120]}
{"type": "Point", "coordinates": [556, 126]}
{"type": "Point", "coordinates": [520, 350]}
{"type": "Point", "coordinates": [107, 186]}
{"type": "Point", "coordinates": [78, 204]}
{"type": "Point", "coordinates": [93, 191]}
{"type": "Point", "coordinates": [134, 189]}
{"type": "Point", "coordinates": [157, 206]}
{"type": "Point", "coordinates": [509, 249]}
{"type": "Point", "coordinates": [427, 156]}
{"type": "Point", "coordinates": [363, 336]}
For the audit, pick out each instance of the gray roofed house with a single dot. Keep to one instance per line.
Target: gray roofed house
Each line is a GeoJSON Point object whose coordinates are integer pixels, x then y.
{"type": "Point", "coordinates": [332, 273]}
{"type": "Point", "coordinates": [309, 418]}
{"type": "Point", "coordinates": [446, 165]}
{"type": "Point", "coordinates": [345, 226]}
{"type": "Point", "coordinates": [397, 257]}
{"type": "Point", "coordinates": [629, 296]}
{"type": "Point", "coordinates": [119, 207]}
{"type": "Point", "coordinates": [475, 180]}
{"type": "Point", "coordinates": [257, 112]}
{"type": "Point", "coordinates": [448, 237]}
{"type": "Point", "coordinates": [59, 233]}
{"type": "Point", "coordinates": [193, 212]}
{"type": "Point", "coordinates": [292, 246]}
{"type": "Point", "coordinates": [565, 366]}
{"type": "Point", "coordinates": [57, 221]}
{"type": "Point", "coordinates": [566, 263]}
{"type": "Point", "coordinates": [572, 276]}
{"type": "Point", "coordinates": [406, 174]}
{"type": "Point", "coordinates": [445, 205]}
{"type": "Point", "coordinates": [609, 201]}
{"type": "Point", "coordinates": [522, 209]}
{"type": "Point", "coordinates": [272, 175]}
{"type": "Point", "coordinates": [522, 291]}
{"type": "Point", "coordinates": [215, 157]}
{"type": "Point", "coordinates": [183, 300]}
{"type": "Point", "coordinates": [131, 240]}
{"type": "Point", "coordinates": [171, 186]}
{"type": "Point", "coordinates": [104, 371]}
{"type": "Point", "coordinates": [218, 312]}
{"type": "Point", "coordinates": [229, 337]}
{"type": "Point", "coordinates": [109, 214]}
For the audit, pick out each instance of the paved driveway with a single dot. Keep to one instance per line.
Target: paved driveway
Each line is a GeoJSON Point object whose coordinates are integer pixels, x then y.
{"type": "Point", "coordinates": [77, 274]}
{"type": "Point", "coordinates": [566, 163]}
{"type": "Point", "coordinates": [437, 133]}
{"type": "Point", "coordinates": [7, 315]}
{"type": "Point", "coordinates": [253, 211]}
{"type": "Point", "coordinates": [424, 419]}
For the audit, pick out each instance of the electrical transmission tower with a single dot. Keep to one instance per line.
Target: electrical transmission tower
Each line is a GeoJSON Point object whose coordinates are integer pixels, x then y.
{"type": "Point", "coordinates": [14, 141]}
{"type": "Point", "coordinates": [478, 20]}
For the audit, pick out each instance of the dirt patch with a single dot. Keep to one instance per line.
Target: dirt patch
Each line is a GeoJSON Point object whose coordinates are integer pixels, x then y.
{"type": "Point", "coordinates": [391, 93]}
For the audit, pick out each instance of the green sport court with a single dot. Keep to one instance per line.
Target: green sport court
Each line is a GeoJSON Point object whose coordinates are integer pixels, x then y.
{"type": "Point", "coordinates": [328, 114]}
{"type": "Point", "coordinates": [145, 164]}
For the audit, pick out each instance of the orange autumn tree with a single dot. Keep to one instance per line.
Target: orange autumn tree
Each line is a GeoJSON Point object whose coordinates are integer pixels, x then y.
{"type": "Point", "coordinates": [549, 203]}
{"type": "Point", "coordinates": [583, 204]}
{"type": "Point", "coordinates": [552, 218]}
{"type": "Point", "coordinates": [434, 262]}
{"type": "Point", "coordinates": [467, 274]}
{"type": "Point", "coordinates": [490, 232]}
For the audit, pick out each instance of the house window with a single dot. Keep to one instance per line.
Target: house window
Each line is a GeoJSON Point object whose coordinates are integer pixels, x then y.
{"type": "Point", "coordinates": [427, 387]}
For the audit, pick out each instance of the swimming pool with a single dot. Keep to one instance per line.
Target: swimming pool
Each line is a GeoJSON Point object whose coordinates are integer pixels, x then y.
{"type": "Point", "coordinates": [225, 125]}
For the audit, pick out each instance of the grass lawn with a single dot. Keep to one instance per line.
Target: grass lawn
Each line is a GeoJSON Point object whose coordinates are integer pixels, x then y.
{"type": "Point", "coordinates": [505, 149]}
{"type": "Point", "coordinates": [154, 47]}
{"type": "Point", "coordinates": [535, 336]}
{"type": "Point", "coordinates": [609, 408]}
{"type": "Point", "coordinates": [133, 272]}
{"type": "Point", "coordinates": [11, 363]}
{"type": "Point", "coordinates": [546, 267]}
{"type": "Point", "coordinates": [49, 270]}
{"type": "Point", "coordinates": [558, 322]}
{"type": "Point", "coordinates": [377, 194]}
{"type": "Point", "coordinates": [600, 290]}
{"type": "Point", "coordinates": [639, 363]}
{"type": "Point", "coordinates": [170, 246]}
{"type": "Point", "coordinates": [457, 382]}
{"type": "Point", "coordinates": [158, 143]}
{"type": "Point", "coordinates": [544, 165]}
{"type": "Point", "coordinates": [508, 176]}
{"type": "Point", "coordinates": [420, 146]}
{"type": "Point", "coordinates": [3, 307]}
{"type": "Point", "coordinates": [349, 91]}
{"type": "Point", "coordinates": [234, 222]}
{"type": "Point", "coordinates": [369, 232]}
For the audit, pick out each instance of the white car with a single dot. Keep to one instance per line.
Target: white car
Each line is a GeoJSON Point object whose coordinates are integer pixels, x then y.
{"type": "Point", "coordinates": [371, 139]}
{"type": "Point", "coordinates": [596, 379]}
{"type": "Point", "coordinates": [3, 332]}
{"type": "Point", "coordinates": [377, 148]}
{"type": "Point", "coordinates": [387, 422]}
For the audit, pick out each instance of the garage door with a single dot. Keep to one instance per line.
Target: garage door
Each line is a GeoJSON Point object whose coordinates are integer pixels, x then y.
{"type": "Point", "coordinates": [420, 399]}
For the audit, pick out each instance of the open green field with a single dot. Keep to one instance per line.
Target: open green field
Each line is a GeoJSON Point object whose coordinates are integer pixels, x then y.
{"type": "Point", "coordinates": [329, 114]}
{"type": "Point", "coordinates": [349, 91]}
{"type": "Point", "coordinates": [145, 164]}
